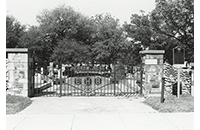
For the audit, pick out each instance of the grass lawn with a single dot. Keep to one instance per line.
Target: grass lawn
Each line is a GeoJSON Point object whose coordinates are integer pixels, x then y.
{"type": "Point", "coordinates": [15, 104]}
{"type": "Point", "coordinates": [172, 104]}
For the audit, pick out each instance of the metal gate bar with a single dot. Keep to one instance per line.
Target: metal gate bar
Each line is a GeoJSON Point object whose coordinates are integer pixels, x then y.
{"type": "Point", "coordinates": [99, 83]}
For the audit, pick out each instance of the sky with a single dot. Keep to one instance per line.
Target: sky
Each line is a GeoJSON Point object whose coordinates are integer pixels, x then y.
{"type": "Point", "coordinates": [25, 11]}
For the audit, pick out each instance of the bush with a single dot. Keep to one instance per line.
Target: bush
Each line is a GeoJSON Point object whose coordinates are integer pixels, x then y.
{"type": "Point", "coordinates": [15, 104]}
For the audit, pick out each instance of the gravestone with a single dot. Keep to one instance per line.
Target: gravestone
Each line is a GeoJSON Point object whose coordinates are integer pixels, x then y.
{"type": "Point", "coordinates": [153, 65]}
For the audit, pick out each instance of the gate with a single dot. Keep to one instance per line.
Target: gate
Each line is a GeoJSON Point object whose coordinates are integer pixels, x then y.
{"type": "Point", "coordinates": [87, 80]}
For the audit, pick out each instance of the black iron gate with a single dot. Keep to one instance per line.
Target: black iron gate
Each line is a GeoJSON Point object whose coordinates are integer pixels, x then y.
{"type": "Point", "coordinates": [87, 80]}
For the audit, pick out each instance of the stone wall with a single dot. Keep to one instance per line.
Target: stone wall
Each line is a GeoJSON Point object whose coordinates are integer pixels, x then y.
{"type": "Point", "coordinates": [170, 73]}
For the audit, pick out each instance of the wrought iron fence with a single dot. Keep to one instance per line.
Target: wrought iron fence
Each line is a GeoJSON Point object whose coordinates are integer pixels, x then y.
{"type": "Point", "coordinates": [87, 80]}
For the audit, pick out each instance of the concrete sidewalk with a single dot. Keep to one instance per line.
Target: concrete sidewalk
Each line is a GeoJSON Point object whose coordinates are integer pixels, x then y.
{"type": "Point", "coordinates": [86, 105]}
{"type": "Point", "coordinates": [95, 113]}
{"type": "Point", "coordinates": [137, 121]}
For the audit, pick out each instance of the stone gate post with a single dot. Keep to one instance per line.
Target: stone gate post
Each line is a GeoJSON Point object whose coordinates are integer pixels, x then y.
{"type": "Point", "coordinates": [18, 76]}
{"type": "Point", "coordinates": [153, 70]}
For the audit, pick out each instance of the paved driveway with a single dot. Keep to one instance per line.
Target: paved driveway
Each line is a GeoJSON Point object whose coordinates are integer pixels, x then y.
{"type": "Point", "coordinates": [95, 113]}
{"type": "Point", "coordinates": [87, 105]}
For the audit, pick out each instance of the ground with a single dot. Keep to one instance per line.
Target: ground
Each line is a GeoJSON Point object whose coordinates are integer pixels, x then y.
{"type": "Point", "coordinates": [171, 104]}
{"type": "Point", "coordinates": [95, 113]}
{"type": "Point", "coordinates": [86, 105]}
{"type": "Point", "coordinates": [15, 104]}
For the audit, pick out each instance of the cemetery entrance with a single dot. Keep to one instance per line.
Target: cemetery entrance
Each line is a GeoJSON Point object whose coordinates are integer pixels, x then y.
{"type": "Point", "coordinates": [87, 80]}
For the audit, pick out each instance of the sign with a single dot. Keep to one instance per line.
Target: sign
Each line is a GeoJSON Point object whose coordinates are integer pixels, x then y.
{"type": "Point", "coordinates": [178, 59]}
{"type": "Point", "coordinates": [178, 55]}
{"type": "Point", "coordinates": [77, 81]}
{"type": "Point", "coordinates": [151, 61]}
{"type": "Point", "coordinates": [88, 81]}
{"type": "Point", "coordinates": [97, 81]}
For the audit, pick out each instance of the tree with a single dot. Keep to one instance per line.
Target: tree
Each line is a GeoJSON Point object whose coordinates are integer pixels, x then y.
{"type": "Point", "coordinates": [139, 29]}
{"type": "Point", "coordinates": [71, 53]}
{"type": "Point", "coordinates": [170, 24]}
{"type": "Point", "coordinates": [37, 43]}
{"type": "Point", "coordinates": [108, 39]}
{"type": "Point", "coordinates": [58, 27]}
{"type": "Point", "coordinates": [141, 32]}
{"type": "Point", "coordinates": [141, 36]}
{"type": "Point", "coordinates": [14, 31]}
{"type": "Point", "coordinates": [130, 53]}
{"type": "Point", "coordinates": [63, 23]}
{"type": "Point", "coordinates": [175, 19]}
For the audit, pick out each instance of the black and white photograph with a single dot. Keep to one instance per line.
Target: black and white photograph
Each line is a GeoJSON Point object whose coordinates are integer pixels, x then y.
{"type": "Point", "coordinates": [99, 65]}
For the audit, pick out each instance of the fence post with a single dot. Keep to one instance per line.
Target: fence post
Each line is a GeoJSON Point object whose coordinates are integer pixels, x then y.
{"type": "Point", "coordinates": [141, 78]}
{"type": "Point", "coordinates": [192, 83]}
{"type": "Point", "coordinates": [114, 76]}
{"type": "Point", "coordinates": [60, 79]}
{"type": "Point", "coordinates": [31, 74]}
{"type": "Point", "coordinates": [178, 85]}
{"type": "Point", "coordinates": [162, 90]}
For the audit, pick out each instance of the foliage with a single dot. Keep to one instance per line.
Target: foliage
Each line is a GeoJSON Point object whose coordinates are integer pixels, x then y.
{"type": "Point", "coordinates": [63, 22]}
{"type": "Point", "coordinates": [144, 37]}
{"type": "Point", "coordinates": [139, 29]}
{"type": "Point", "coordinates": [35, 41]}
{"type": "Point", "coordinates": [129, 53]}
{"type": "Point", "coordinates": [14, 31]}
{"type": "Point", "coordinates": [172, 104]}
{"type": "Point", "coordinates": [63, 32]}
{"type": "Point", "coordinates": [108, 38]}
{"type": "Point", "coordinates": [170, 24]}
{"type": "Point", "coordinates": [55, 26]}
{"type": "Point", "coordinates": [16, 104]}
{"type": "Point", "coordinates": [69, 51]}
{"type": "Point", "coordinates": [120, 72]}
{"type": "Point", "coordinates": [175, 19]}
{"type": "Point", "coordinates": [63, 26]}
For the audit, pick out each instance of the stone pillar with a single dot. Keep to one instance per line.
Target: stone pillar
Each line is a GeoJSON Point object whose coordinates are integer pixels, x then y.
{"type": "Point", "coordinates": [153, 70]}
{"type": "Point", "coordinates": [17, 71]}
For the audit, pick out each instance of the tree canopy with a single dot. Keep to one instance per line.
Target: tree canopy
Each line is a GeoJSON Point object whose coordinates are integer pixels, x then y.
{"type": "Point", "coordinates": [67, 36]}
{"type": "Point", "coordinates": [175, 19]}
{"type": "Point", "coordinates": [169, 25]}
{"type": "Point", "coordinates": [14, 31]}
{"type": "Point", "coordinates": [108, 38]}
